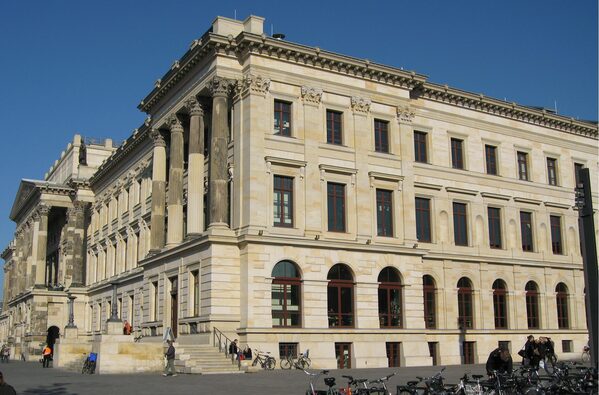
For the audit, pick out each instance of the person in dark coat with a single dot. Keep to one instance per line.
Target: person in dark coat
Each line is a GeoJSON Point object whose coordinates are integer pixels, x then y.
{"type": "Point", "coordinates": [531, 352]}
{"type": "Point", "coordinates": [499, 360]}
{"type": "Point", "coordinates": [5, 388]}
{"type": "Point", "coordinates": [169, 369]}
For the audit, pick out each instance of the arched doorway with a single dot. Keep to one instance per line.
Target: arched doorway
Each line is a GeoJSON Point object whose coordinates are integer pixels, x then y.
{"type": "Point", "coordinates": [53, 334]}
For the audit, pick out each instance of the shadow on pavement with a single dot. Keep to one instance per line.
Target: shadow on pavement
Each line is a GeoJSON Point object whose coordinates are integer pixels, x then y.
{"type": "Point", "coordinates": [55, 389]}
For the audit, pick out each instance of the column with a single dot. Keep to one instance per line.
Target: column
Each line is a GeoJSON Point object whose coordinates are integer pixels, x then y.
{"type": "Point", "coordinates": [218, 198]}
{"type": "Point", "coordinates": [174, 234]}
{"type": "Point", "coordinates": [195, 172]}
{"type": "Point", "coordinates": [158, 192]}
{"type": "Point", "coordinates": [76, 218]}
{"type": "Point", "coordinates": [42, 246]}
{"type": "Point", "coordinates": [405, 115]}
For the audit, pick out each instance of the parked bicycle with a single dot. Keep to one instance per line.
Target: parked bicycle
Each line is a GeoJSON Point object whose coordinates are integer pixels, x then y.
{"type": "Point", "coordinates": [265, 360]}
{"type": "Point", "coordinates": [89, 366]}
{"type": "Point", "coordinates": [354, 386]}
{"type": "Point", "coordinates": [379, 386]}
{"type": "Point", "coordinates": [302, 362]}
{"type": "Point", "coordinates": [329, 381]}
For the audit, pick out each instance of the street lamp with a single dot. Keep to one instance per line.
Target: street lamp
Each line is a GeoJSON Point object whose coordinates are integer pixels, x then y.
{"type": "Point", "coordinates": [71, 323]}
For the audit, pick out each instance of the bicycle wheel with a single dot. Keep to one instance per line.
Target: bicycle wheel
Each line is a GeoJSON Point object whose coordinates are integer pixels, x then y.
{"type": "Point", "coordinates": [84, 370]}
{"type": "Point", "coordinates": [285, 363]}
{"type": "Point", "coordinates": [304, 363]}
{"type": "Point", "coordinates": [270, 363]}
{"type": "Point", "coordinates": [255, 361]}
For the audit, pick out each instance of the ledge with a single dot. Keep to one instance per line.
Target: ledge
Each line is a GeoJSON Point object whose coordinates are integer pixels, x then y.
{"type": "Point", "coordinates": [470, 192]}
{"type": "Point", "coordinates": [528, 201]}
{"type": "Point", "coordinates": [497, 196]}
{"type": "Point", "coordinates": [424, 185]}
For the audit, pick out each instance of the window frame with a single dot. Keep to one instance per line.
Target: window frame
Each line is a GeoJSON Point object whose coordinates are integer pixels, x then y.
{"type": "Point", "coordinates": [465, 304]}
{"type": "Point", "coordinates": [491, 163]}
{"type": "Point", "coordinates": [561, 300]}
{"type": "Point", "coordinates": [281, 190]}
{"type": "Point", "coordinates": [523, 168]}
{"type": "Point", "coordinates": [281, 112]}
{"type": "Point", "coordinates": [530, 247]}
{"type": "Point", "coordinates": [495, 230]}
{"type": "Point", "coordinates": [460, 220]}
{"type": "Point", "coordinates": [381, 136]}
{"type": "Point", "coordinates": [420, 146]}
{"type": "Point", "coordinates": [333, 199]}
{"type": "Point", "coordinates": [421, 222]}
{"type": "Point", "coordinates": [533, 316]}
{"type": "Point", "coordinates": [500, 304]}
{"type": "Point", "coordinates": [336, 318]}
{"type": "Point", "coordinates": [387, 287]}
{"type": "Point", "coordinates": [287, 283]}
{"type": "Point", "coordinates": [457, 153]}
{"type": "Point", "coordinates": [429, 296]}
{"type": "Point", "coordinates": [552, 168]}
{"type": "Point", "coordinates": [384, 216]}
{"type": "Point", "coordinates": [557, 245]}
{"type": "Point", "coordinates": [334, 134]}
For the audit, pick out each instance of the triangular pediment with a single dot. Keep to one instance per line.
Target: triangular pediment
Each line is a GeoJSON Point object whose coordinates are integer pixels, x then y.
{"type": "Point", "coordinates": [29, 193]}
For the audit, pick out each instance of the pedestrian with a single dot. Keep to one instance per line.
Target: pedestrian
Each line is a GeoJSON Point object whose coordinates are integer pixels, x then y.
{"type": "Point", "coordinates": [527, 352]}
{"type": "Point", "coordinates": [47, 355]}
{"type": "Point", "coordinates": [5, 388]}
{"type": "Point", "coordinates": [6, 354]}
{"type": "Point", "coordinates": [499, 361]}
{"type": "Point", "coordinates": [127, 328]}
{"type": "Point", "coordinates": [2, 353]}
{"type": "Point", "coordinates": [233, 348]}
{"type": "Point", "coordinates": [169, 368]}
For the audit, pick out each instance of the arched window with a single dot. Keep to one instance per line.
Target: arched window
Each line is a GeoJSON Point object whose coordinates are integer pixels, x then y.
{"type": "Point", "coordinates": [465, 320]}
{"type": "Point", "coordinates": [430, 305]}
{"type": "Point", "coordinates": [286, 295]}
{"type": "Point", "coordinates": [561, 297]}
{"type": "Point", "coordinates": [390, 300]}
{"type": "Point", "coordinates": [340, 296]}
{"type": "Point", "coordinates": [500, 304]}
{"type": "Point", "coordinates": [532, 305]}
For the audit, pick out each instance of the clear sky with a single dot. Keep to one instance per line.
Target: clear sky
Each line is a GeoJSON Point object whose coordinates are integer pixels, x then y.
{"type": "Point", "coordinates": [75, 66]}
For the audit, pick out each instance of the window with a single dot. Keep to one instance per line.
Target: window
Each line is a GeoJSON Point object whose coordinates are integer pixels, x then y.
{"type": "Point", "coordinates": [381, 136]}
{"type": "Point", "coordinates": [465, 320]}
{"type": "Point", "coordinates": [500, 304]}
{"type": "Point", "coordinates": [552, 171]}
{"type": "Point", "coordinates": [491, 159]}
{"type": "Point", "coordinates": [196, 292]}
{"type": "Point", "coordinates": [457, 153]}
{"type": "Point", "coordinates": [432, 351]}
{"type": "Point", "coordinates": [526, 230]}
{"type": "Point", "coordinates": [343, 355]}
{"type": "Point", "coordinates": [460, 224]}
{"type": "Point", "coordinates": [384, 213]}
{"type": "Point", "coordinates": [287, 350]}
{"type": "Point", "coordinates": [428, 290]}
{"type": "Point", "coordinates": [393, 354]}
{"type": "Point", "coordinates": [283, 201]}
{"type": "Point", "coordinates": [532, 305]}
{"type": "Point", "coordinates": [577, 168]}
{"type": "Point", "coordinates": [390, 300]}
{"type": "Point", "coordinates": [340, 295]}
{"type": "Point", "coordinates": [566, 345]}
{"type": "Point", "coordinates": [423, 220]}
{"type": "Point", "coordinates": [336, 207]}
{"type": "Point", "coordinates": [523, 165]}
{"type": "Point", "coordinates": [334, 127]}
{"type": "Point", "coordinates": [282, 118]}
{"type": "Point", "coordinates": [561, 298]}
{"type": "Point", "coordinates": [420, 147]}
{"type": "Point", "coordinates": [155, 301]}
{"type": "Point", "coordinates": [286, 295]}
{"type": "Point", "coordinates": [494, 215]}
{"type": "Point", "coordinates": [468, 352]}
{"type": "Point", "coordinates": [556, 234]}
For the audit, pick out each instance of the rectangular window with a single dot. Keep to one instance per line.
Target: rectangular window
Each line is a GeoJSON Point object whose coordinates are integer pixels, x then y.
{"type": "Point", "coordinates": [577, 168]}
{"type": "Point", "coordinates": [420, 154]}
{"type": "Point", "coordinates": [155, 301]}
{"type": "Point", "coordinates": [336, 207]}
{"type": "Point", "coordinates": [334, 127]}
{"type": "Point", "coordinates": [196, 292]}
{"type": "Point", "coordinates": [491, 159]}
{"type": "Point", "coordinates": [526, 230]}
{"type": "Point", "coordinates": [393, 354]}
{"type": "Point", "coordinates": [505, 344]}
{"type": "Point", "coordinates": [552, 171]}
{"type": "Point", "coordinates": [566, 345]}
{"type": "Point", "coordinates": [423, 220]}
{"type": "Point", "coordinates": [494, 215]}
{"type": "Point", "coordinates": [283, 201]}
{"type": "Point", "coordinates": [468, 352]}
{"type": "Point", "coordinates": [432, 351]}
{"type": "Point", "coordinates": [457, 153]}
{"type": "Point", "coordinates": [282, 118]}
{"type": "Point", "coordinates": [287, 350]}
{"type": "Point", "coordinates": [343, 355]}
{"type": "Point", "coordinates": [556, 234]}
{"type": "Point", "coordinates": [460, 224]}
{"type": "Point", "coordinates": [384, 212]}
{"type": "Point", "coordinates": [381, 136]}
{"type": "Point", "coordinates": [523, 166]}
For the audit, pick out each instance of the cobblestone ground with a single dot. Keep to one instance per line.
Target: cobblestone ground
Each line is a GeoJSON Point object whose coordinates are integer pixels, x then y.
{"type": "Point", "coordinates": [31, 378]}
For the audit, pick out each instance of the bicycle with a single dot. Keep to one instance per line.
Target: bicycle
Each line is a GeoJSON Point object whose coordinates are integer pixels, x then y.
{"type": "Point", "coordinates": [354, 386]}
{"type": "Point", "coordinates": [329, 381]}
{"type": "Point", "coordinates": [586, 354]}
{"type": "Point", "coordinates": [136, 339]}
{"type": "Point", "coordinates": [303, 362]}
{"type": "Point", "coordinates": [378, 386]}
{"type": "Point", "coordinates": [89, 366]}
{"type": "Point", "coordinates": [265, 360]}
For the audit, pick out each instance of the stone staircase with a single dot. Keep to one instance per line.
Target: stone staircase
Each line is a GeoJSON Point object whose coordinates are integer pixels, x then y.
{"type": "Point", "coordinates": [202, 359]}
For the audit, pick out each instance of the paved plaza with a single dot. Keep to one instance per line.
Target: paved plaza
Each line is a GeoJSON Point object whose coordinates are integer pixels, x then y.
{"type": "Point", "coordinates": [31, 378]}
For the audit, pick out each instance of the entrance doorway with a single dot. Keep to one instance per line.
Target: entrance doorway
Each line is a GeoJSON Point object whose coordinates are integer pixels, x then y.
{"type": "Point", "coordinates": [53, 334]}
{"type": "Point", "coordinates": [343, 355]}
{"type": "Point", "coordinates": [174, 305]}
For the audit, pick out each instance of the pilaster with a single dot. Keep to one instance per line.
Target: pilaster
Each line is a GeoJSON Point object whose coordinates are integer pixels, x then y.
{"type": "Point", "coordinates": [42, 246]}
{"type": "Point", "coordinates": [158, 191]}
{"type": "Point", "coordinates": [195, 172]}
{"type": "Point", "coordinates": [174, 234]}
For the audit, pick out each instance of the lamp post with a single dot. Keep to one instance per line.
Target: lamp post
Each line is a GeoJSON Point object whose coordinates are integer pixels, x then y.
{"type": "Point", "coordinates": [114, 313]}
{"type": "Point", "coordinates": [71, 323]}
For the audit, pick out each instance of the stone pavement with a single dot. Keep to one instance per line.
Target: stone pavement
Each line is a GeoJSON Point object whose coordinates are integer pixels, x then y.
{"type": "Point", "coordinates": [31, 378]}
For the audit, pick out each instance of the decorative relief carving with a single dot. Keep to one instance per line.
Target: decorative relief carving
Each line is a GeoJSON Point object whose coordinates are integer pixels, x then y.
{"type": "Point", "coordinates": [311, 95]}
{"type": "Point", "coordinates": [220, 86]}
{"type": "Point", "coordinates": [360, 104]}
{"type": "Point", "coordinates": [405, 114]}
{"type": "Point", "coordinates": [253, 84]}
{"type": "Point", "coordinates": [194, 107]}
{"type": "Point", "coordinates": [148, 121]}
{"type": "Point", "coordinates": [43, 209]}
{"type": "Point", "coordinates": [231, 170]}
{"type": "Point", "coordinates": [158, 138]}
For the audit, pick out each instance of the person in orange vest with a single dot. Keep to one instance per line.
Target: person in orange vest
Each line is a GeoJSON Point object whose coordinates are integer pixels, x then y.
{"type": "Point", "coordinates": [47, 353]}
{"type": "Point", "coordinates": [127, 328]}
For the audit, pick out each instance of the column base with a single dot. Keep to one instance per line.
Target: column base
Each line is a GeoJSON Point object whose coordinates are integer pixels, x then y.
{"type": "Point", "coordinates": [191, 236]}
{"type": "Point", "coordinates": [40, 286]}
{"type": "Point", "coordinates": [114, 327]}
{"type": "Point", "coordinates": [155, 251]}
{"type": "Point", "coordinates": [71, 332]}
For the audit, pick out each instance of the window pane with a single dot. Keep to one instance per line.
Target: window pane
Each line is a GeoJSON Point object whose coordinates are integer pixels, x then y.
{"type": "Point", "coordinates": [334, 131]}
{"type": "Point", "coordinates": [384, 213]}
{"type": "Point", "coordinates": [381, 136]}
{"type": "Point", "coordinates": [336, 207]}
{"type": "Point", "coordinates": [423, 224]}
{"type": "Point", "coordinates": [420, 154]}
{"type": "Point", "coordinates": [494, 227]}
{"type": "Point", "coordinates": [460, 224]}
{"type": "Point", "coordinates": [556, 234]}
{"type": "Point", "coordinates": [523, 165]}
{"type": "Point", "coordinates": [526, 230]}
{"type": "Point", "coordinates": [282, 118]}
{"type": "Point", "coordinates": [491, 159]}
{"type": "Point", "coordinates": [551, 171]}
{"type": "Point", "coordinates": [283, 201]}
{"type": "Point", "coordinates": [457, 154]}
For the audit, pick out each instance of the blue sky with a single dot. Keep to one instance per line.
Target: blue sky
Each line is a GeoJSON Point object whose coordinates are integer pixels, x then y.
{"type": "Point", "coordinates": [75, 66]}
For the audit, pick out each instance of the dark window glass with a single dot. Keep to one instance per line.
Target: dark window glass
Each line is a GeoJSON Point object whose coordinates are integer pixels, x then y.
{"type": "Point", "coordinates": [457, 153]}
{"type": "Point", "coordinates": [381, 136]}
{"type": "Point", "coordinates": [465, 320]}
{"type": "Point", "coordinates": [494, 215]}
{"type": "Point", "coordinates": [432, 351]}
{"type": "Point", "coordinates": [420, 147]}
{"type": "Point", "coordinates": [468, 352]}
{"type": "Point", "coordinates": [336, 207]}
{"type": "Point", "coordinates": [551, 171]}
{"type": "Point", "coordinates": [282, 118]}
{"type": "Point", "coordinates": [423, 220]}
{"type": "Point", "coordinates": [577, 168]}
{"type": "Point", "coordinates": [526, 230]}
{"type": "Point", "coordinates": [156, 300]}
{"type": "Point", "coordinates": [393, 354]}
{"type": "Point", "coordinates": [430, 317]}
{"type": "Point", "coordinates": [390, 301]}
{"type": "Point", "coordinates": [460, 224]}
{"type": "Point", "coordinates": [561, 296]}
{"type": "Point", "coordinates": [566, 345]}
{"type": "Point", "coordinates": [283, 201]}
{"type": "Point", "coordinates": [556, 234]}
{"type": "Point", "coordinates": [500, 304]}
{"type": "Point", "coordinates": [384, 213]}
{"type": "Point", "coordinates": [343, 355]}
{"type": "Point", "coordinates": [523, 166]}
{"type": "Point", "coordinates": [196, 293]}
{"type": "Point", "coordinates": [334, 127]}
{"type": "Point", "coordinates": [491, 159]}
{"type": "Point", "coordinates": [287, 350]}
{"type": "Point", "coordinates": [340, 297]}
{"type": "Point", "coordinates": [286, 295]}
{"type": "Point", "coordinates": [532, 305]}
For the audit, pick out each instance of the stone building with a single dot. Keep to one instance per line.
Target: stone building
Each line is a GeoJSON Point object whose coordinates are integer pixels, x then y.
{"type": "Point", "coordinates": [295, 199]}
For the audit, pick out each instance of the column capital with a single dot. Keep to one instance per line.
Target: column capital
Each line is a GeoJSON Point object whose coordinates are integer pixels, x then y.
{"type": "Point", "coordinates": [405, 114]}
{"type": "Point", "coordinates": [174, 124]}
{"type": "Point", "coordinates": [43, 209]}
{"type": "Point", "coordinates": [194, 107]}
{"type": "Point", "coordinates": [158, 138]}
{"type": "Point", "coordinates": [220, 87]}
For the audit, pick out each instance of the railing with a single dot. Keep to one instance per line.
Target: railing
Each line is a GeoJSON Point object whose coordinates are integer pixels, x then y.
{"type": "Point", "coordinates": [221, 341]}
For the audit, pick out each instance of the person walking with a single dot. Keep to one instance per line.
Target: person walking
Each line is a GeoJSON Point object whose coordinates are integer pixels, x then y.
{"type": "Point", "coordinates": [6, 354]}
{"type": "Point", "coordinates": [126, 328]}
{"type": "Point", "coordinates": [5, 388]}
{"type": "Point", "coordinates": [47, 355]}
{"type": "Point", "coordinates": [234, 349]}
{"type": "Point", "coordinates": [169, 368]}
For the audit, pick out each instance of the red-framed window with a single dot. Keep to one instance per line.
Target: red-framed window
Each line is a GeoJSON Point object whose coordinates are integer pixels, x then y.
{"type": "Point", "coordinates": [420, 151]}
{"type": "Point", "coordinates": [282, 118]}
{"type": "Point", "coordinates": [423, 219]}
{"type": "Point", "coordinates": [393, 354]}
{"type": "Point", "coordinates": [340, 297]}
{"type": "Point", "coordinates": [561, 298]}
{"type": "Point", "coordinates": [286, 295]}
{"type": "Point", "coordinates": [343, 355]}
{"type": "Point", "coordinates": [381, 136]}
{"type": "Point", "coordinates": [465, 305]}
{"type": "Point", "coordinates": [390, 299]}
{"type": "Point", "coordinates": [500, 304]}
{"type": "Point", "coordinates": [491, 159]}
{"type": "Point", "coordinates": [468, 352]}
{"type": "Point", "coordinates": [334, 127]}
{"type": "Point", "coordinates": [532, 305]}
{"type": "Point", "coordinates": [526, 231]}
{"type": "Point", "coordinates": [457, 153]}
{"type": "Point", "coordinates": [384, 213]}
{"type": "Point", "coordinates": [460, 224]}
{"type": "Point", "coordinates": [522, 165]}
{"type": "Point", "coordinates": [283, 201]}
{"type": "Point", "coordinates": [494, 217]}
{"type": "Point", "coordinates": [430, 306]}
{"type": "Point", "coordinates": [552, 171]}
{"type": "Point", "coordinates": [556, 234]}
{"type": "Point", "coordinates": [336, 207]}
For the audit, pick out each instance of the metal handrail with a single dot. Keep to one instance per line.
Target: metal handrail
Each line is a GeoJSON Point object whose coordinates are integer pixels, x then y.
{"type": "Point", "coordinates": [223, 342]}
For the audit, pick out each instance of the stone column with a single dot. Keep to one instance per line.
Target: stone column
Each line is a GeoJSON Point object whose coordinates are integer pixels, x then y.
{"type": "Point", "coordinates": [158, 192]}
{"type": "Point", "coordinates": [174, 234]}
{"type": "Point", "coordinates": [42, 246]}
{"type": "Point", "coordinates": [195, 172]}
{"type": "Point", "coordinates": [405, 115]}
{"type": "Point", "coordinates": [76, 243]}
{"type": "Point", "coordinates": [218, 198]}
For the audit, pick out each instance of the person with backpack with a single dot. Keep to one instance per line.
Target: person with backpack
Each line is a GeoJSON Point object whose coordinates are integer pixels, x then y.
{"type": "Point", "coordinates": [47, 355]}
